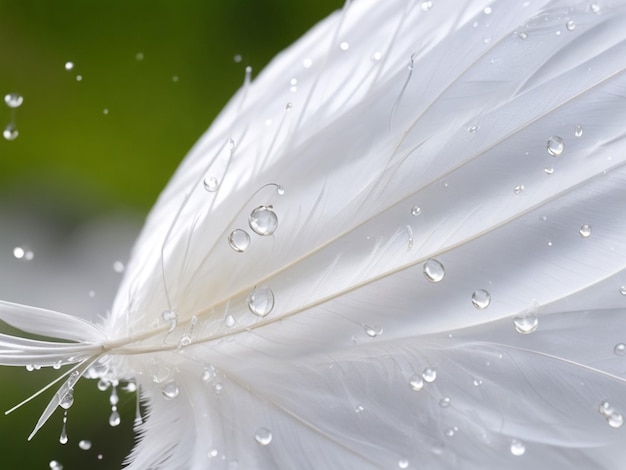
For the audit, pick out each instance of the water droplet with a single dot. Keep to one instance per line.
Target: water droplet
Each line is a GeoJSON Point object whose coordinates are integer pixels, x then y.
{"type": "Point", "coordinates": [172, 317]}
{"type": "Point", "coordinates": [429, 374]}
{"type": "Point", "coordinates": [477, 382]}
{"type": "Point", "coordinates": [55, 465]}
{"type": "Point", "coordinates": [403, 463]}
{"type": "Point", "coordinates": [344, 46]}
{"type": "Point", "coordinates": [280, 190]}
{"type": "Point", "coordinates": [595, 8]}
{"type": "Point", "coordinates": [570, 25]}
{"type": "Point", "coordinates": [118, 267]}
{"type": "Point", "coordinates": [427, 5]}
{"type": "Point", "coordinates": [548, 170]}
{"type": "Point", "coordinates": [517, 448]}
{"type": "Point", "coordinates": [261, 301]}
{"type": "Point", "coordinates": [208, 373]}
{"type": "Point", "coordinates": [211, 184]}
{"type": "Point", "coordinates": [614, 418]}
{"type": "Point", "coordinates": [68, 400]}
{"type": "Point", "coordinates": [263, 220]}
{"type": "Point", "coordinates": [170, 390]}
{"type": "Point", "coordinates": [434, 270]}
{"type": "Point", "coordinates": [376, 56]}
{"type": "Point", "coordinates": [79, 78]}
{"type": "Point", "coordinates": [237, 58]}
{"type": "Point", "coordinates": [620, 349]}
{"type": "Point", "coordinates": [523, 36]}
{"type": "Point", "coordinates": [415, 211]}
{"type": "Point", "coordinates": [175, 78]}
{"type": "Point", "coordinates": [10, 132]}
{"type": "Point", "coordinates": [263, 436]}
{"type": "Point", "coordinates": [359, 408]}
{"type": "Point", "coordinates": [526, 323]}
{"type": "Point", "coordinates": [585, 230]}
{"type": "Point", "coordinates": [371, 331]}
{"type": "Point", "coordinates": [63, 437]}
{"type": "Point", "coordinates": [518, 189]}
{"type": "Point", "coordinates": [416, 383]}
{"type": "Point", "coordinates": [578, 132]}
{"type": "Point", "coordinates": [307, 63]}
{"type": "Point", "coordinates": [84, 444]}
{"type": "Point", "coordinates": [139, 56]}
{"type": "Point", "coordinates": [481, 299]}
{"type": "Point", "coordinates": [105, 111]}
{"type": "Point", "coordinates": [114, 418]}
{"type": "Point", "coordinates": [445, 402]}
{"type": "Point", "coordinates": [213, 453]}
{"type": "Point", "coordinates": [69, 65]}
{"type": "Point", "coordinates": [114, 397]}
{"type": "Point", "coordinates": [472, 129]}
{"type": "Point", "coordinates": [555, 146]}
{"type": "Point", "coordinates": [450, 432]}
{"type": "Point", "coordinates": [229, 321]}
{"type": "Point", "coordinates": [218, 388]}
{"type": "Point", "coordinates": [487, 10]}
{"type": "Point", "coordinates": [13, 100]}
{"type": "Point", "coordinates": [622, 290]}
{"type": "Point", "coordinates": [239, 240]}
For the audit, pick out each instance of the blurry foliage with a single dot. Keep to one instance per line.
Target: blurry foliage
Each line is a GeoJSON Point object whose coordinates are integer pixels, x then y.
{"type": "Point", "coordinates": [72, 161]}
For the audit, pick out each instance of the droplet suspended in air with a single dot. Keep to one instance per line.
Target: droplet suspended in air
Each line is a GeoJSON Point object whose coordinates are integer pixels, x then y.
{"type": "Point", "coordinates": [69, 65]}
{"type": "Point", "coordinates": [170, 390]}
{"type": "Point", "coordinates": [526, 324]}
{"type": "Point", "coordinates": [555, 146]}
{"type": "Point", "coordinates": [10, 132]}
{"type": "Point", "coordinates": [211, 184]}
{"type": "Point", "coordinates": [263, 220]}
{"type": "Point", "coordinates": [114, 418]}
{"type": "Point", "coordinates": [517, 448]}
{"type": "Point", "coordinates": [13, 100]}
{"type": "Point", "coordinates": [263, 436]}
{"type": "Point", "coordinates": [434, 270]}
{"type": "Point", "coordinates": [416, 382]}
{"type": "Point", "coordinates": [585, 230]}
{"type": "Point", "coordinates": [578, 132]}
{"type": "Point", "coordinates": [55, 465]}
{"type": "Point", "coordinates": [63, 437]}
{"type": "Point", "coordinates": [620, 349]}
{"type": "Point", "coordinates": [261, 301]}
{"type": "Point", "coordinates": [84, 444]}
{"type": "Point", "coordinates": [481, 299]}
{"type": "Point", "coordinates": [429, 374]}
{"type": "Point", "coordinates": [239, 240]}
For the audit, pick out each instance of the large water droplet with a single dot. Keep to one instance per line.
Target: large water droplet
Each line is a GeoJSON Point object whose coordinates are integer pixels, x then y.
{"type": "Point", "coordinates": [263, 220]}
{"type": "Point", "coordinates": [84, 444]}
{"type": "Point", "coordinates": [526, 324]}
{"type": "Point", "coordinates": [555, 146]}
{"type": "Point", "coordinates": [481, 299]}
{"type": "Point", "coordinates": [263, 436]}
{"type": "Point", "coordinates": [13, 100]}
{"type": "Point", "coordinates": [170, 390]}
{"type": "Point", "coordinates": [429, 374]}
{"type": "Point", "coordinates": [239, 240]}
{"type": "Point", "coordinates": [416, 383]}
{"type": "Point", "coordinates": [434, 270]}
{"type": "Point", "coordinates": [585, 230]}
{"type": "Point", "coordinates": [10, 132]}
{"type": "Point", "coordinates": [211, 184]}
{"type": "Point", "coordinates": [261, 301]}
{"type": "Point", "coordinates": [517, 447]}
{"type": "Point", "coordinates": [68, 400]}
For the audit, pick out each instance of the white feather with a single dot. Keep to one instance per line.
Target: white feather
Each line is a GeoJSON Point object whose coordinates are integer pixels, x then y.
{"type": "Point", "coordinates": [394, 138]}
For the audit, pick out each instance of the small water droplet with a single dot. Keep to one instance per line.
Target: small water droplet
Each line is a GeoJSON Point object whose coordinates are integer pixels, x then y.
{"type": "Point", "coordinates": [307, 63]}
{"type": "Point", "coordinates": [218, 388]}
{"type": "Point", "coordinates": [613, 417]}
{"type": "Point", "coordinates": [63, 437]}
{"type": "Point", "coordinates": [415, 211]}
{"type": "Point", "coordinates": [450, 432]}
{"type": "Point", "coordinates": [429, 374]}
{"type": "Point", "coordinates": [481, 299]}
{"type": "Point", "coordinates": [445, 402]}
{"type": "Point", "coordinates": [10, 132]}
{"type": "Point", "coordinates": [261, 301]}
{"type": "Point", "coordinates": [208, 373]}
{"type": "Point", "coordinates": [487, 10]}
{"type": "Point", "coordinates": [622, 290]}
{"type": "Point", "coordinates": [416, 382]}
{"type": "Point", "coordinates": [114, 397]}
{"type": "Point", "coordinates": [570, 25]}
{"type": "Point", "coordinates": [518, 189]}
{"type": "Point", "coordinates": [548, 170]}
{"type": "Point", "coordinates": [79, 78]}
{"type": "Point", "coordinates": [118, 267]}
{"type": "Point", "coordinates": [376, 56]}
{"type": "Point", "coordinates": [69, 65]}
{"type": "Point", "coordinates": [239, 240]}
{"type": "Point", "coordinates": [403, 463]}
{"type": "Point", "coordinates": [170, 390]}
{"type": "Point", "coordinates": [359, 408]}
{"type": "Point", "coordinates": [263, 436]}
{"type": "Point", "coordinates": [585, 230]}
{"type": "Point", "coordinates": [427, 5]}
{"type": "Point", "coordinates": [84, 444]}
{"type": "Point", "coordinates": [211, 184]}
{"type": "Point", "coordinates": [517, 448]}
{"type": "Point", "coordinates": [68, 400]}
{"type": "Point", "coordinates": [172, 317]}
{"type": "Point", "coordinates": [434, 270]}
{"type": "Point", "coordinates": [371, 331]}
{"type": "Point", "coordinates": [472, 129]}
{"type": "Point", "coordinates": [175, 78]}
{"type": "Point", "coordinates": [263, 220]}
{"type": "Point", "coordinates": [523, 36]}
{"type": "Point", "coordinates": [620, 349]}
{"type": "Point", "coordinates": [139, 56]}
{"type": "Point", "coordinates": [526, 323]}
{"type": "Point", "coordinates": [105, 111]}
{"type": "Point", "coordinates": [13, 100]}
{"type": "Point", "coordinates": [595, 8]}
{"type": "Point", "coordinates": [229, 321]}
{"type": "Point", "coordinates": [280, 190]}
{"type": "Point", "coordinates": [555, 146]}
{"type": "Point", "coordinates": [344, 46]}
{"type": "Point", "coordinates": [114, 418]}
{"type": "Point", "coordinates": [213, 453]}
{"type": "Point", "coordinates": [477, 382]}
{"type": "Point", "coordinates": [578, 132]}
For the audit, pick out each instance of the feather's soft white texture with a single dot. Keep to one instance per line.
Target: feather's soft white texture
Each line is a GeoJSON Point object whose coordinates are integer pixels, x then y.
{"type": "Point", "coordinates": [385, 106]}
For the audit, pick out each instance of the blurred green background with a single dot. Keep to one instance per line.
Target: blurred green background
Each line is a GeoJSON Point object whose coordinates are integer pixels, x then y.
{"type": "Point", "coordinates": [98, 143]}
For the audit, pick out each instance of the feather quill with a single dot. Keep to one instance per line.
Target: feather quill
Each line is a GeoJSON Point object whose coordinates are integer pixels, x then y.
{"type": "Point", "coordinates": [401, 245]}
